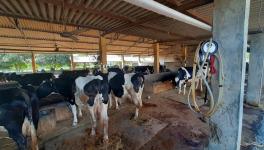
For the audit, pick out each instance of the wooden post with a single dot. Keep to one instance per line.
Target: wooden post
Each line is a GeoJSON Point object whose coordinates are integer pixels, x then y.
{"type": "Point", "coordinates": [156, 58]}
{"type": "Point", "coordinates": [72, 62]}
{"type": "Point", "coordinates": [33, 61]}
{"type": "Point", "coordinates": [103, 53]}
{"type": "Point", "coordinates": [184, 53]}
{"type": "Point", "coordinates": [122, 61]}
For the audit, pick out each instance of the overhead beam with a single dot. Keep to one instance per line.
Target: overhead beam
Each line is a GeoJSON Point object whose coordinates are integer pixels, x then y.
{"type": "Point", "coordinates": [183, 9]}
{"type": "Point", "coordinates": [168, 12]}
{"type": "Point", "coordinates": [57, 32]}
{"type": "Point", "coordinates": [70, 42]}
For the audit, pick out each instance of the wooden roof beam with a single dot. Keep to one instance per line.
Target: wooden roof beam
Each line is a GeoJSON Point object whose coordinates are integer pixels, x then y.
{"type": "Point", "coordinates": [67, 41]}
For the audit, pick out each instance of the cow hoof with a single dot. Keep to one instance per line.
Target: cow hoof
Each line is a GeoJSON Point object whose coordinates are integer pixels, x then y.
{"type": "Point", "coordinates": [74, 124]}
{"type": "Point", "coordinates": [92, 133]}
{"type": "Point", "coordinates": [117, 108]}
{"type": "Point", "coordinates": [106, 140]}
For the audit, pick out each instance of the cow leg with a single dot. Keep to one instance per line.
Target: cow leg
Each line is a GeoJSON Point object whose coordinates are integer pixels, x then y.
{"type": "Point", "coordinates": [201, 82]}
{"type": "Point", "coordinates": [110, 100]}
{"type": "Point", "coordinates": [79, 111]}
{"type": "Point", "coordinates": [74, 113]}
{"type": "Point", "coordinates": [136, 101]}
{"type": "Point", "coordinates": [180, 84]}
{"type": "Point", "coordinates": [197, 83]}
{"type": "Point", "coordinates": [34, 139]}
{"type": "Point", "coordinates": [93, 119]}
{"type": "Point", "coordinates": [104, 120]}
{"type": "Point", "coordinates": [15, 133]}
{"type": "Point", "coordinates": [184, 88]}
{"type": "Point", "coordinates": [136, 113]}
{"type": "Point", "coordinates": [20, 140]}
{"type": "Point", "coordinates": [116, 102]}
{"type": "Point", "coordinates": [78, 102]}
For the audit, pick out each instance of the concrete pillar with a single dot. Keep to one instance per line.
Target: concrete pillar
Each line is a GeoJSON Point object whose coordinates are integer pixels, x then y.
{"type": "Point", "coordinates": [156, 58]}
{"type": "Point", "coordinates": [103, 53]}
{"type": "Point", "coordinates": [256, 70]}
{"type": "Point", "coordinates": [72, 63]}
{"type": "Point", "coordinates": [230, 29]}
{"type": "Point", "coordinates": [33, 61]}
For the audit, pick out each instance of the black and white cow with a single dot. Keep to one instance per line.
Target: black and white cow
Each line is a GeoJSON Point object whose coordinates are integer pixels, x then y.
{"type": "Point", "coordinates": [34, 79]}
{"type": "Point", "coordinates": [96, 89]}
{"type": "Point", "coordinates": [19, 115]}
{"type": "Point", "coordinates": [184, 75]}
{"type": "Point", "coordinates": [126, 86]}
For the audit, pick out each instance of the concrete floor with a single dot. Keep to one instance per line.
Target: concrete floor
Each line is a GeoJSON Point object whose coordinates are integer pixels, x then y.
{"type": "Point", "coordinates": [164, 123]}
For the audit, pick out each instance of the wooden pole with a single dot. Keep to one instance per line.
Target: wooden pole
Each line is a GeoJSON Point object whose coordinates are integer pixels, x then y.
{"type": "Point", "coordinates": [103, 53]}
{"type": "Point", "coordinates": [156, 58]}
{"type": "Point", "coordinates": [33, 61]}
{"type": "Point", "coordinates": [72, 63]}
{"type": "Point", "coordinates": [122, 61]}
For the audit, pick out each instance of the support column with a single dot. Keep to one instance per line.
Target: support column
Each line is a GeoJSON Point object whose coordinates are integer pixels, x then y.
{"type": "Point", "coordinates": [33, 61]}
{"type": "Point", "coordinates": [256, 70]}
{"type": "Point", "coordinates": [102, 53]}
{"type": "Point", "coordinates": [156, 58]}
{"type": "Point", "coordinates": [184, 52]}
{"type": "Point", "coordinates": [72, 63]}
{"type": "Point", "coordinates": [122, 61]}
{"type": "Point", "coordinates": [230, 29]}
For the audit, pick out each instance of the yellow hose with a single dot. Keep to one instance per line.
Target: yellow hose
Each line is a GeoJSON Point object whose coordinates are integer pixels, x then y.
{"type": "Point", "coordinates": [213, 103]}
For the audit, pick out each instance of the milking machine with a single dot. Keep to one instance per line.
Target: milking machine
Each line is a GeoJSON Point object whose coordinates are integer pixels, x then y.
{"type": "Point", "coordinates": [206, 53]}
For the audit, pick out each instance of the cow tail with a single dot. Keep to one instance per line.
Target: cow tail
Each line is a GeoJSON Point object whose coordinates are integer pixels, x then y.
{"type": "Point", "coordinates": [29, 115]}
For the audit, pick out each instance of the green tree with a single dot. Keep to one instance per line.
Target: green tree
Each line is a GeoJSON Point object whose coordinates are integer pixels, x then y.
{"type": "Point", "coordinates": [55, 61]}
{"type": "Point", "coordinates": [15, 62]}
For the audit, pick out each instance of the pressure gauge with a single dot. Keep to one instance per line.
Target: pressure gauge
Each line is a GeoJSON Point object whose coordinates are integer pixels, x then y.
{"type": "Point", "coordinates": [210, 47]}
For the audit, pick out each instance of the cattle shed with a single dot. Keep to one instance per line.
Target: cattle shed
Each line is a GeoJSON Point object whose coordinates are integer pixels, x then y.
{"type": "Point", "coordinates": [226, 115]}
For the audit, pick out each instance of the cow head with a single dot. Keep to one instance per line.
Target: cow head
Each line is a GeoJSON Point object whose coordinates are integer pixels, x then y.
{"type": "Point", "coordinates": [137, 81]}
{"type": "Point", "coordinates": [181, 75]}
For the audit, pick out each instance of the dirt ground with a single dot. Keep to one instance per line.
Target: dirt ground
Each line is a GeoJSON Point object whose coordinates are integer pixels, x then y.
{"type": "Point", "coordinates": [163, 123]}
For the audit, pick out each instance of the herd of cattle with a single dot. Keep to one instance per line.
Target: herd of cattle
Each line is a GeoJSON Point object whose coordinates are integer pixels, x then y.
{"type": "Point", "coordinates": [21, 102]}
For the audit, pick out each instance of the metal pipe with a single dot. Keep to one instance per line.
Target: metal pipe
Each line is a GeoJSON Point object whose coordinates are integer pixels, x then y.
{"type": "Point", "coordinates": [168, 12]}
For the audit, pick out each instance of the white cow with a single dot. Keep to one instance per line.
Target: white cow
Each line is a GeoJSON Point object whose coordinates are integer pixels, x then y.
{"type": "Point", "coordinates": [96, 89]}
{"type": "Point", "coordinates": [126, 86]}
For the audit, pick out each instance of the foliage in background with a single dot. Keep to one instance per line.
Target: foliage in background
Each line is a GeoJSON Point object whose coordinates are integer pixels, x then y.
{"type": "Point", "coordinates": [15, 62]}
{"type": "Point", "coordinates": [49, 61]}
